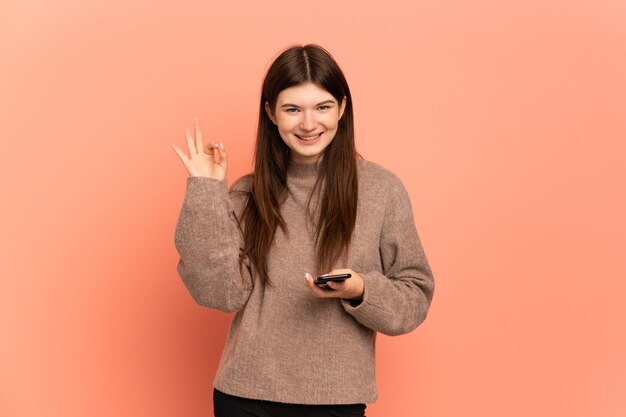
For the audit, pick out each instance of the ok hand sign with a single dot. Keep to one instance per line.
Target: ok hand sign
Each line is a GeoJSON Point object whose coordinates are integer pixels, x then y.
{"type": "Point", "coordinates": [210, 161]}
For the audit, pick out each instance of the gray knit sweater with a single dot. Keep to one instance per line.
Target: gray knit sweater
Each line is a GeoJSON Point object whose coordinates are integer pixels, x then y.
{"type": "Point", "coordinates": [284, 344]}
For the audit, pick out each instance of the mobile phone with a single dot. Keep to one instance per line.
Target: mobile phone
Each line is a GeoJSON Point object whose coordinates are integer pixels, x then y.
{"type": "Point", "coordinates": [322, 280]}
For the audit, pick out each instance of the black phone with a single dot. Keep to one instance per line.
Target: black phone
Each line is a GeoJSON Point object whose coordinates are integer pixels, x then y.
{"type": "Point", "coordinates": [322, 280]}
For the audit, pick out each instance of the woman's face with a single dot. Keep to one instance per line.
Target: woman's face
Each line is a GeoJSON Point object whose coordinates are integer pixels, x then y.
{"type": "Point", "coordinates": [307, 117]}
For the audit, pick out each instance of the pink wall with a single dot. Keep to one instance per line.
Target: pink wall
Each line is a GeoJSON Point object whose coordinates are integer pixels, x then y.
{"type": "Point", "coordinates": [505, 119]}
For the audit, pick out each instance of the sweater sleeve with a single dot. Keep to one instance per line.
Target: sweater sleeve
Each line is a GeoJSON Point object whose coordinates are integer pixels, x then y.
{"type": "Point", "coordinates": [396, 300]}
{"type": "Point", "coordinates": [209, 241]}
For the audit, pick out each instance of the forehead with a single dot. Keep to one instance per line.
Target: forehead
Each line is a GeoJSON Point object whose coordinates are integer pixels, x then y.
{"type": "Point", "coordinates": [304, 94]}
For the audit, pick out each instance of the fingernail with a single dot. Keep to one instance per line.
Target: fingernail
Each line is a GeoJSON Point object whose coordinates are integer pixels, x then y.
{"type": "Point", "coordinates": [221, 146]}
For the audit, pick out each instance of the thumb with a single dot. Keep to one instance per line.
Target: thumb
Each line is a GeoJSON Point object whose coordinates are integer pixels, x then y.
{"type": "Point", "coordinates": [223, 156]}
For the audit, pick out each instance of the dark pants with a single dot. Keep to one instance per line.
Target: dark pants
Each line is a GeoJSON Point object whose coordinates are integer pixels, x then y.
{"type": "Point", "coordinates": [226, 405]}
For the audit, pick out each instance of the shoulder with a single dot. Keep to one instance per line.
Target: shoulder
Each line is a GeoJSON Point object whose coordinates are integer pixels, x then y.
{"type": "Point", "coordinates": [239, 192]}
{"type": "Point", "coordinates": [242, 184]}
{"type": "Point", "coordinates": [374, 175]}
{"type": "Point", "coordinates": [380, 187]}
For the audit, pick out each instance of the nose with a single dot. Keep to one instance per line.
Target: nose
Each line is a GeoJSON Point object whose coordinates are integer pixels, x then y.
{"type": "Point", "coordinates": [308, 121]}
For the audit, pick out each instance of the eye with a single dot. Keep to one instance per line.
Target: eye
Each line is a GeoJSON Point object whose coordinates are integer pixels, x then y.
{"type": "Point", "coordinates": [324, 107]}
{"type": "Point", "coordinates": [290, 110]}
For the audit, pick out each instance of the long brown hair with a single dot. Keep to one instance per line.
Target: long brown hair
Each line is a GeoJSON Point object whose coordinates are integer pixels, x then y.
{"type": "Point", "coordinates": [337, 179]}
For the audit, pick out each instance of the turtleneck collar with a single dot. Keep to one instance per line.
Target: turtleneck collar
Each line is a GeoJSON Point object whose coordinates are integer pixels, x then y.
{"type": "Point", "coordinates": [304, 170]}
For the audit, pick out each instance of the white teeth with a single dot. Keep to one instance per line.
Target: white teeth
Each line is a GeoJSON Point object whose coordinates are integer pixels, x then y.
{"type": "Point", "coordinates": [309, 137]}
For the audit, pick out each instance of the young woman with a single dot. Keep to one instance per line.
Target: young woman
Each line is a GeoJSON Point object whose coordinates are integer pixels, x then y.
{"type": "Point", "coordinates": [312, 206]}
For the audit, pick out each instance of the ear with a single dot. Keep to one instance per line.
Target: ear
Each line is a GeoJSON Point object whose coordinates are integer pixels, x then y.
{"type": "Point", "coordinates": [343, 106]}
{"type": "Point", "coordinates": [269, 112]}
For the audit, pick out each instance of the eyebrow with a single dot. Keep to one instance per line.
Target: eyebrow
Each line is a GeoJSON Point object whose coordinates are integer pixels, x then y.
{"type": "Point", "coordinates": [318, 104]}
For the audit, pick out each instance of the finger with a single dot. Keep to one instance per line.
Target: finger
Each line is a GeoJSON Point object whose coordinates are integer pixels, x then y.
{"type": "Point", "coordinates": [196, 125]}
{"type": "Point", "coordinates": [338, 288]}
{"type": "Point", "coordinates": [181, 155]}
{"type": "Point", "coordinates": [190, 144]}
{"type": "Point", "coordinates": [216, 153]}
{"type": "Point", "coordinates": [209, 148]}
{"type": "Point", "coordinates": [223, 156]}
{"type": "Point", "coordinates": [317, 291]}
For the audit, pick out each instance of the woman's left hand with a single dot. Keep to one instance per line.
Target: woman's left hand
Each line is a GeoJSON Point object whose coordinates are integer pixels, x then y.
{"type": "Point", "coordinates": [352, 288]}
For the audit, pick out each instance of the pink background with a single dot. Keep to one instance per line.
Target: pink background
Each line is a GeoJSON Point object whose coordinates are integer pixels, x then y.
{"type": "Point", "coordinates": [505, 120]}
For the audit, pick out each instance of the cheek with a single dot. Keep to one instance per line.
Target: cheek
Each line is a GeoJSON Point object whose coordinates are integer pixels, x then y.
{"type": "Point", "coordinates": [285, 124]}
{"type": "Point", "coordinates": [331, 122]}
{"type": "Point", "coordinates": [285, 132]}
{"type": "Point", "coordinates": [284, 136]}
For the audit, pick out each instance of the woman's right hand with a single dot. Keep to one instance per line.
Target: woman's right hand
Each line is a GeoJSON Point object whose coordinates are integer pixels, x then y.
{"type": "Point", "coordinates": [210, 161]}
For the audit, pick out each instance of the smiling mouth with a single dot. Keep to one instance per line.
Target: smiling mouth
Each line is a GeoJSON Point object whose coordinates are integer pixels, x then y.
{"type": "Point", "coordinates": [309, 137]}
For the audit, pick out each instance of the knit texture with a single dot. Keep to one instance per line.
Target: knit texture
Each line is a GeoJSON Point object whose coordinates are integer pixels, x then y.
{"type": "Point", "coordinates": [284, 344]}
